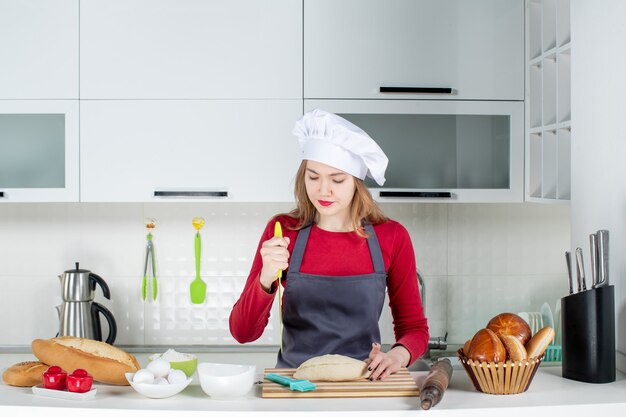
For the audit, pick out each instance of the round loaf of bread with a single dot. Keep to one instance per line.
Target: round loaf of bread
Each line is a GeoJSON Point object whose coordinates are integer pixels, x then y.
{"type": "Point", "coordinates": [486, 347]}
{"type": "Point", "coordinates": [515, 351]}
{"type": "Point", "coordinates": [510, 324]}
{"type": "Point", "coordinates": [104, 362]}
{"type": "Point", "coordinates": [24, 374]}
{"type": "Point", "coordinates": [539, 342]}
{"type": "Point", "coordinates": [332, 368]}
{"type": "Point", "coordinates": [466, 346]}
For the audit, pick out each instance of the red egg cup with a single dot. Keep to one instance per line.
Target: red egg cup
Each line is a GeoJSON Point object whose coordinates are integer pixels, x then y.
{"type": "Point", "coordinates": [79, 381]}
{"type": "Point", "coordinates": [54, 378]}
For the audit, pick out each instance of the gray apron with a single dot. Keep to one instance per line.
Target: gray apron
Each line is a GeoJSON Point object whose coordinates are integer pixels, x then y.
{"type": "Point", "coordinates": [331, 314]}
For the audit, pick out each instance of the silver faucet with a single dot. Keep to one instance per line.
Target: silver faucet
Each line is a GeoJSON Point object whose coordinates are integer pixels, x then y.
{"type": "Point", "coordinates": [438, 343]}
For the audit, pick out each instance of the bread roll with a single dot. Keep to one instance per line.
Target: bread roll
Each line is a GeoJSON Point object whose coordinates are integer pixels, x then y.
{"type": "Point", "coordinates": [466, 346]}
{"type": "Point", "coordinates": [510, 324]}
{"type": "Point", "coordinates": [515, 351]}
{"type": "Point", "coordinates": [486, 347]}
{"type": "Point", "coordinates": [104, 362]}
{"type": "Point", "coordinates": [539, 342]}
{"type": "Point", "coordinates": [24, 374]}
{"type": "Point", "coordinates": [332, 368]}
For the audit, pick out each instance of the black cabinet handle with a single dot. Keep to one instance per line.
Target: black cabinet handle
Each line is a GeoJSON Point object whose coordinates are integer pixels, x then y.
{"type": "Point", "coordinates": [1, 194]}
{"type": "Point", "coordinates": [418, 90]}
{"type": "Point", "coordinates": [416, 194]}
{"type": "Point", "coordinates": [191, 193]}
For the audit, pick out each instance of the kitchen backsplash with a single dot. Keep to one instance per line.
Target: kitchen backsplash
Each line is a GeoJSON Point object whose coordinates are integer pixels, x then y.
{"type": "Point", "coordinates": [477, 260]}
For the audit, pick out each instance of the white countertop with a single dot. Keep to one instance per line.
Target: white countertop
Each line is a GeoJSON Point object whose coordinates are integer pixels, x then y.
{"type": "Point", "coordinates": [549, 394]}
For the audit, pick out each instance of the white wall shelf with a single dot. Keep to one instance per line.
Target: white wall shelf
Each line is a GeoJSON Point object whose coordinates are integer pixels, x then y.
{"type": "Point", "coordinates": [548, 101]}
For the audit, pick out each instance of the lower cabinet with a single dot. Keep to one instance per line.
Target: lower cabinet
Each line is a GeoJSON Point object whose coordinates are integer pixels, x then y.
{"type": "Point", "coordinates": [189, 150]}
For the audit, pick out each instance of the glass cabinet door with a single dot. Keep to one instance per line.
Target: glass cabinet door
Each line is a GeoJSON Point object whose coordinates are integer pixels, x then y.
{"type": "Point", "coordinates": [454, 151]}
{"type": "Point", "coordinates": [39, 150]}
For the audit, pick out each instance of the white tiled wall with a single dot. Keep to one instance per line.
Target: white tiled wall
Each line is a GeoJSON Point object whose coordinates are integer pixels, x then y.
{"type": "Point", "coordinates": [477, 260]}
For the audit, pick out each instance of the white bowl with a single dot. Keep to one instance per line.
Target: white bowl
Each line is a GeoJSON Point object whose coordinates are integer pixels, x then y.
{"type": "Point", "coordinates": [225, 381]}
{"type": "Point", "coordinates": [154, 390]}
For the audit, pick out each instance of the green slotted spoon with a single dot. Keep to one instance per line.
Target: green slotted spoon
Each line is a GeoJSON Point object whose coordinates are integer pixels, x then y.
{"type": "Point", "coordinates": [197, 289]}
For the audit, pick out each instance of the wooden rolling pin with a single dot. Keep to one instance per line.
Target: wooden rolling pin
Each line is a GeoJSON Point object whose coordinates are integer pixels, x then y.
{"type": "Point", "coordinates": [436, 383]}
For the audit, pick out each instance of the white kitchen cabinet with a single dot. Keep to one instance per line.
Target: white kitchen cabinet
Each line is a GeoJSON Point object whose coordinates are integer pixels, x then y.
{"type": "Point", "coordinates": [548, 101]}
{"type": "Point", "coordinates": [39, 49]}
{"type": "Point", "coordinates": [194, 150]}
{"type": "Point", "coordinates": [352, 48]}
{"type": "Point", "coordinates": [442, 150]}
{"type": "Point", "coordinates": [39, 151]}
{"type": "Point", "coordinates": [191, 49]}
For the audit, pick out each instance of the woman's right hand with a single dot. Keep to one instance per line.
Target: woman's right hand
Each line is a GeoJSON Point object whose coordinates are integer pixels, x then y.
{"type": "Point", "coordinates": [275, 256]}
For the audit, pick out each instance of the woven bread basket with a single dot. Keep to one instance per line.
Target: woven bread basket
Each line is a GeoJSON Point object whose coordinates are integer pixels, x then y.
{"type": "Point", "coordinates": [510, 377]}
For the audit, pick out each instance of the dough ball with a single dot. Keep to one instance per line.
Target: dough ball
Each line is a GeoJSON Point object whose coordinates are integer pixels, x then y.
{"type": "Point", "coordinates": [332, 368]}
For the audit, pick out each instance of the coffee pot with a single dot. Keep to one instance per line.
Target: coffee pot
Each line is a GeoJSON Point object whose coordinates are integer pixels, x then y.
{"type": "Point", "coordinates": [79, 315]}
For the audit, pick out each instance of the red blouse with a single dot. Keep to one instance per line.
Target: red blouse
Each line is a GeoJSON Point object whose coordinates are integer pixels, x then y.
{"type": "Point", "coordinates": [326, 253]}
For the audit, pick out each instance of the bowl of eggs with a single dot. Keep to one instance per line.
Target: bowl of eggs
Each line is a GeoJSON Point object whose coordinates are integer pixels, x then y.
{"type": "Point", "coordinates": [186, 362]}
{"type": "Point", "coordinates": [158, 380]}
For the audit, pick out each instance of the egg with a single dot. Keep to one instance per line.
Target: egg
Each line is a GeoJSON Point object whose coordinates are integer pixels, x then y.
{"type": "Point", "coordinates": [176, 376]}
{"type": "Point", "coordinates": [161, 381]}
{"type": "Point", "coordinates": [159, 368]}
{"type": "Point", "coordinates": [143, 376]}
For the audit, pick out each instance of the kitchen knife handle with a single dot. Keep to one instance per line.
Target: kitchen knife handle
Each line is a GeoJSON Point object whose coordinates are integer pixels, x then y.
{"type": "Point", "coordinates": [417, 90]}
{"type": "Point", "coordinates": [593, 247]}
{"type": "Point", "coordinates": [570, 282]}
{"type": "Point", "coordinates": [580, 270]}
{"type": "Point", "coordinates": [603, 258]}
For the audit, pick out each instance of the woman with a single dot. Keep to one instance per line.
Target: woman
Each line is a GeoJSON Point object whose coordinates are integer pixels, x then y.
{"type": "Point", "coordinates": [338, 254]}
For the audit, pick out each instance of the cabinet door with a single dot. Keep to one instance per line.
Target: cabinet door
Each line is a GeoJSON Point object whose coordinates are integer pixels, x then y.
{"type": "Point", "coordinates": [38, 150]}
{"type": "Point", "coordinates": [191, 49]}
{"type": "Point", "coordinates": [352, 48]}
{"type": "Point", "coordinates": [442, 151]}
{"type": "Point", "coordinates": [39, 49]}
{"type": "Point", "coordinates": [145, 151]}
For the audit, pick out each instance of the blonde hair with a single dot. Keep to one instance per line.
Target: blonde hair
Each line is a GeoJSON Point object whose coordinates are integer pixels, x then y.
{"type": "Point", "coordinates": [363, 208]}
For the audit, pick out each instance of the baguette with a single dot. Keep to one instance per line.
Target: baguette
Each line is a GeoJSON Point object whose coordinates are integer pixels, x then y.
{"type": "Point", "coordinates": [24, 374]}
{"type": "Point", "coordinates": [104, 362]}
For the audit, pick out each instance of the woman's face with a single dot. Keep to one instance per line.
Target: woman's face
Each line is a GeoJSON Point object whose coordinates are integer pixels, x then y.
{"type": "Point", "coordinates": [329, 189]}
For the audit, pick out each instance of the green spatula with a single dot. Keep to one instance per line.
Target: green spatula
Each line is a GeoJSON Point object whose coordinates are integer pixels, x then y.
{"type": "Point", "coordinates": [198, 287]}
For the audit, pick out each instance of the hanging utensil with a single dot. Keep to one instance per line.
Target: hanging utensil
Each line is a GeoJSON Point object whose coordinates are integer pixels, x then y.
{"type": "Point", "coordinates": [570, 282]}
{"type": "Point", "coordinates": [197, 289]}
{"type": "Point", "coordinates": [150, 225]}
{"type": "Point", "coordinates": [278, 232]}
{"type": "Point", "coordinates": [603, 258]}
{"type": "Point", "coordinates": [580, 270]}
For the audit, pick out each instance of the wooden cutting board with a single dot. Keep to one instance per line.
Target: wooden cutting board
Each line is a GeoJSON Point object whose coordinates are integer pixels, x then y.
{"type": "Point", "coordinates": [400, 384]}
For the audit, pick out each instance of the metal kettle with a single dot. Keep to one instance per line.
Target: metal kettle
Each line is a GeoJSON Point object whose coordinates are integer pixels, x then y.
{"type": "Point", "coordinates": [79, 315]}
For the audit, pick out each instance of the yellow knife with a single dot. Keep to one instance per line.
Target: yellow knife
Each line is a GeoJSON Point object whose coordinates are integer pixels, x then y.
{"type": "Point", "coordinates": [278, 232]}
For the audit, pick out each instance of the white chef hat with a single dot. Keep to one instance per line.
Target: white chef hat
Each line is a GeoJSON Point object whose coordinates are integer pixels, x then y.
{"type": "Point", "coordinates": [327, 138]}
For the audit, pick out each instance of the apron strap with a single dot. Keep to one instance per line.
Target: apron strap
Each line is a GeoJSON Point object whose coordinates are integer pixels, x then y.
{"type": "Point", "coordinates": [298, 249]}
{"type": "Point", "coordinates": [375, 252]}
{"type": "Point", "coordinates": [372, 243]}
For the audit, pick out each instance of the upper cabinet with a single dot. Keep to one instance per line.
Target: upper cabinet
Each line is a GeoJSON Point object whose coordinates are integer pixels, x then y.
{"type": "Point", "coordinates": [39, 49]}
{"type": "Point", "coordinates": [548, 103]}
{"type": "Point", "coordinates": [414, 49]}
{"type": "Point", "coordinates": [38, 150]}
{"type": "Point", "coordinates": [191, 49]}
{"type": "Point", "coordinates": [194, 150]}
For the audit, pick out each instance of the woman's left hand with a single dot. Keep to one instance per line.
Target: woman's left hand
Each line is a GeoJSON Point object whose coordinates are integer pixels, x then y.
{"type": "Point", "coordinates": [383, 364]}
